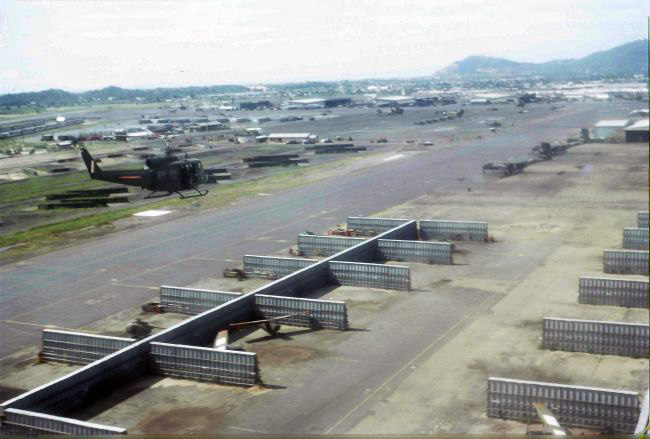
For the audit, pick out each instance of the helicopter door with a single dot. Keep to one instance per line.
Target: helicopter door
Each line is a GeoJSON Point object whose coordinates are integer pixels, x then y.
{"type": "Point", "coordinates": [164, 181]}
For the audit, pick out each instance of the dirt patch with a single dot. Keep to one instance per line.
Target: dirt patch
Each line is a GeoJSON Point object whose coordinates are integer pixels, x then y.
{"type": "Point", "coordinates": [185, 420]}
{"type": "Point", "coordinates": [368, 305]}
{"type": "Point", "coordinates": [440, 283]}
{"type": "Point", "coordinates": [523, 371]}
{"type": "Point", "coordinates": [272, 354]}
{"type": "Point", "coordinates": [529, 324]}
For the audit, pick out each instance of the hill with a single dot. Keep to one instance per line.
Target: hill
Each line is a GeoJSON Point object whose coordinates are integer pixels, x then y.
{"type": "Point", "coordinates": [626, 60]}
{"type": "Point", "coordinates": [54, 97]}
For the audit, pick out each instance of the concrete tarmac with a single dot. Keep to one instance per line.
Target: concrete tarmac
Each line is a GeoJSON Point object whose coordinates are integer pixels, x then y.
{"type": "Point", "coordinates": [78, 285]}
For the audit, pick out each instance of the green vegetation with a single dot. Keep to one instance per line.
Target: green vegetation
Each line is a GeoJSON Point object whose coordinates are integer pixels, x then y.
{"type": "Point", "coordinates": [49, 236]}
{"type": "Point", "coordinates": [29, 188]}
{"type": "Point", "coordinates": [36, 102]}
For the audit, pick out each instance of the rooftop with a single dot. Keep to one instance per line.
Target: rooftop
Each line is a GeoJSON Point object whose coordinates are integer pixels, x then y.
{"type": "Point", "coordinates": [283, 135]}
{"type": "Point", "coordinates": [617, 123]}
{"type": "Point", "coordinates": [307, 101]}
{"type": "Point", "coordinates": [639, 125]}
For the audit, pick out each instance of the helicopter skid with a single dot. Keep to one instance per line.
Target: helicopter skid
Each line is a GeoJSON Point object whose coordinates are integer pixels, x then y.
{"type": "Point", "coordinates": [199, 194]}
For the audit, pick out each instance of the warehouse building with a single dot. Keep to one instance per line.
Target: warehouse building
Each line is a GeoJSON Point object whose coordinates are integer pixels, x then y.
{"type": "Point", "coordinates": [610, 129]}
{"type": "Point", "coordinates": [637, 132]}
{"type": "Point", "coordinates": [304, 104]}
{"type": "Point", "coordinates": [259, 105]}
{"type": "Point", "coordinates": [383, 101]}
{"type": "Point", "coordinates": [208, 126]}
{"type": "Point", "coordinates": [337, 102]}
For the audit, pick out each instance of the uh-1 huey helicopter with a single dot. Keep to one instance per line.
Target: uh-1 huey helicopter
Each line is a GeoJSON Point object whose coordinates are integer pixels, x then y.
{"type": "Point", "coordinates": [164, 174]}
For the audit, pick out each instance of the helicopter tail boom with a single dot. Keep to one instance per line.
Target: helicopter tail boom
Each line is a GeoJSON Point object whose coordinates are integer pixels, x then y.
{"type": "Point", "coordinates": [127, 177]}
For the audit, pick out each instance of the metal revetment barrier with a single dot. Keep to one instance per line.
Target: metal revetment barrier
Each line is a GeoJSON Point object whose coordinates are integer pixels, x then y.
{"type": "Point", "coordinates": [635, 239]}
{"type": "Point", "coordinates": [322, 313]}
{"type": "Point", "coordinates": [103, 376]}
{"type": "Point", "coordinates": [453, 230]}
{"type": "Point", "coordinates": [626, 262]}
{"type": "Point", "coordinates": [373, 226]}
{"type": "Point", "coordinates": [85, 384]}
{"type": "Point", "coordinates": [642, 220]}
{"type": "Point", "coordinates": [204, 364]}
{"type": "Point", "coordinates": [273, 267]}
{"type": "Point", "coordinates": [613, 292]}
{"type": "Point", "coordinates": [644, 416]}
{"type": "Point", "coordinates": [313, 245]}
{"type": "Point", "coordinates": [191, 300]}
{"type": "Point", "coordinates": [573, 406]}
{"type": "Point", "coordinates": [370, 275]}
{"type": "Point", "coordinates": [367, 251]}
{"type": "Point", "coordinates": [23, 423]}
{"type": "Point", "coordinates": [415, 251]}
{"type": "Point", "coordinates": [595, 337]}
{"type": "Point", "coordinates": [79, 348]}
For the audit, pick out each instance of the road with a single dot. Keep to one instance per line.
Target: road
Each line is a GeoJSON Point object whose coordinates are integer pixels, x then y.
{"type": "Point", "coordinates": [78, 285]}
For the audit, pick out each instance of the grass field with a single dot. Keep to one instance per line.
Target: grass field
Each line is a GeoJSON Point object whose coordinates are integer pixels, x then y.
{"type": "Point", "coordinates": [49, 236]}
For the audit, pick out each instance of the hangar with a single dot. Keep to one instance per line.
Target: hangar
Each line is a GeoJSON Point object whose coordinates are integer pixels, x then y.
{"type": "Point", "coordinates": [610, 129]}
{"type": "Point", "coordinates": [637, 132]}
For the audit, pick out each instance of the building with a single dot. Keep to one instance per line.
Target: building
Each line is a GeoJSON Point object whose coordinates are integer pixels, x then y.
{"type": "Point", "coordinates": [301, 104]}
{"type": "Point", "coordinates": [259, 105]}
{"type": "Point", "coordinates": [637, 132]}
{"type": "Point", "coordinates": [208, 126]}
{"type": "Point", "coordinates": [394, 100]}
{"type": "Point", "coordinates": [288, 137]}
{"type": "Point", "coordinates": [610, 129]}
{"type": "Point", "coordinates": [337, 102]}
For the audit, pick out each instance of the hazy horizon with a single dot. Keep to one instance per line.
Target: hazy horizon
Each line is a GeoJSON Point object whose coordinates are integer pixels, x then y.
{"type": "Point", "coordinates": [79, 46]}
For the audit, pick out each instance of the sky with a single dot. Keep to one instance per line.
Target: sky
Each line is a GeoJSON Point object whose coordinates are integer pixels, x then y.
{"type": "Point", "coordinates": [83, 45]}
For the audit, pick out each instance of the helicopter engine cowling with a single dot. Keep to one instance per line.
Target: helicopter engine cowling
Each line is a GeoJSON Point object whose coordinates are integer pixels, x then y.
{"type": "Point", "coordinates": [156, 162]}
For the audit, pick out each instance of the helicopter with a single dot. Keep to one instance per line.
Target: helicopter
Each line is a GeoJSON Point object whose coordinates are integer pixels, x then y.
{"type": "Point", "coordinates": [163, 174]}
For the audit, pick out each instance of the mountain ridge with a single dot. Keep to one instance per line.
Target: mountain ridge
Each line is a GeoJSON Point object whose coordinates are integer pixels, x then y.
{"type": "Point", "coordinates": [624, 60]}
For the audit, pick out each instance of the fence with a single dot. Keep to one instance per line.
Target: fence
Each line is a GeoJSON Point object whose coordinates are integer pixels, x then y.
{"type": "Point", "coordinates": [203, 364]}
{"type": "Point", "coordinates": [453, 230]}
{"type": "Point", "coordinates": [370, 275]}
{"type": "Point", "coordinates": [613, 292]}
{"type": "Point", "coordinates": [415, 251]}
{"type": "Point", "coordinates": [614, 338]}
{"type": "Point", "coordinates": [642, 220]}
{"type": "Point", "coordinates": [192, 301]}
{"type": "Point", "coordinates": [322, 313]}
{"type": "Point", "coordinates": [573, 406]}
{"type": "Point", "coordinates": [373, 226]}
{"type": "Point", "coordinates": [626, 262]}
{"type": "Point", "coordinates": [79, 348]}
{"type": "Point", "coordinates": [272, 267]}
{"type": "Point", "coordinates": [312, 245]}
{"type": "Point", "coordinates": [635, 239]}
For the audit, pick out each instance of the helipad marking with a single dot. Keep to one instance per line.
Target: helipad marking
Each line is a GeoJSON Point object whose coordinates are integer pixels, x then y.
{"type": "Point", "coordinates": [151, 213]}
{"type": "Point", "coordinates": [394, 157]}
